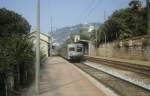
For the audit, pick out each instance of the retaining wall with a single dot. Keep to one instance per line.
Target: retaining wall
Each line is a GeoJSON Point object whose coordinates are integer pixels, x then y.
{"type": "Point", "coordinates": [133, 49]}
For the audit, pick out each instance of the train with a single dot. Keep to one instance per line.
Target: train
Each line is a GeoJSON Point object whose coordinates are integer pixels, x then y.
{"type": "Point", "coordinates": [73, 52]}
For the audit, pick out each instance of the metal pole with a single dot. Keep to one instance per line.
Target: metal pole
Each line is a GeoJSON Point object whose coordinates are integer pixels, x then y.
{"type": "Point", "coordinates": [95, 38]}
{"type": "Point", "coordinates": [96, 43]}
{"type": "Point", "coordinates": [148, 16]}
{"type": "Point", "coordinates": [37, 65]}
{"type": "Point", "coordinates": [105, 45]}
{"type": "Point", "coordinates": [51, 37]}
{"type": "Point", "coordinates": [105, 34]}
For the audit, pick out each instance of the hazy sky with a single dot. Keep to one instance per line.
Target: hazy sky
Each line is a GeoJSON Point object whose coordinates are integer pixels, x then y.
{"type": "Point", "coordinates": [64, 12]}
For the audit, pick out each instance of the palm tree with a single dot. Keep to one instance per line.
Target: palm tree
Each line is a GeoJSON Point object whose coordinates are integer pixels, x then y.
{"type": "Point", "coordinates": [17, 57]}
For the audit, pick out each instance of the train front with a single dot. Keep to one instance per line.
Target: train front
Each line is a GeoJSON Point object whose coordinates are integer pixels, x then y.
{"type": "Point", "coordinates": [75, 52]}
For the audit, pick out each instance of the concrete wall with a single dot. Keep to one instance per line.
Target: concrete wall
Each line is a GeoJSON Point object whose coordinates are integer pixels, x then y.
{"type": "Point", "coordinates": [134, 49]}
{"type": "Point", "coordinates": [91, 49]}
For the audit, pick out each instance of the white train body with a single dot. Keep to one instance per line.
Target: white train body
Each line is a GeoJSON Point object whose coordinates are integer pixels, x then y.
{"type": "Point", "coordinates": [75, 51]}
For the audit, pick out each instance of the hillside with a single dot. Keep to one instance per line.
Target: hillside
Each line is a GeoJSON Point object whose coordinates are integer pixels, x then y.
{"type": "Point", "coordinates": [60, 35]}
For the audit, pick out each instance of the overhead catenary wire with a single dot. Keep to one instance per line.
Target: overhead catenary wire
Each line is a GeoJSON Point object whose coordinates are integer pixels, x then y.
{"type": "Point", "coordinates": [89, 5]}
{"type": "Point", "coordinates": [92, 9]}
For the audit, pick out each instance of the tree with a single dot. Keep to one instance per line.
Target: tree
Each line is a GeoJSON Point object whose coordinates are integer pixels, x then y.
{"type": "Point", "coordinates": [135, 5]}
{"type": "Point", "coordinates": [122, 24]}
{"type": "Point", "coordinates": [16, 54]}
{"type": "Point", "coordinates": [84, 35]}
{"type": "Point", "coordinates": [11, 22]}
{"type": "Point", "coordinates": [130, 23]}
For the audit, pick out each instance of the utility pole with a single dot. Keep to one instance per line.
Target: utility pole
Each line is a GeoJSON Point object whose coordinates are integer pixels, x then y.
{"type": "Point", "coordinates": [80, 29]}
{"type": "Point", "coordinates": [105, 33]}
{"type": "Point", "coordinates": [37, 64]}
{"type": "Point", "coordinates": [96, 45]}
{"type": "Point", "coordinates": [104, 20]}
{"type": "Point", "coordinates": [51, 36]}
{"type": "Point", "coordinates": [148, 16]}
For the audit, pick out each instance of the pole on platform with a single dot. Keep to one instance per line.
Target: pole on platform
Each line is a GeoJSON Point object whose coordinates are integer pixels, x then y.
{"type": "Point", "coordinates": [37, 64]}
{"type": "Point", "coordinates": [148, 16]}
{"type": "Point", "coordinates": [105, 36]}
{"type": "Point", "coordinates": [51, 42]}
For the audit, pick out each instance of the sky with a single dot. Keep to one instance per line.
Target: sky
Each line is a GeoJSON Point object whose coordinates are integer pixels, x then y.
{"type": "Point", "coordinates": [64, 13]}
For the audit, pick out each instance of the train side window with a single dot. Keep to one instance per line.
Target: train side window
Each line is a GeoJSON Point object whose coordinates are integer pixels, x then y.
{"type": "Point", "coordinates": [79, 49]}
{"type": "Point", "coordinates": [72, 49]}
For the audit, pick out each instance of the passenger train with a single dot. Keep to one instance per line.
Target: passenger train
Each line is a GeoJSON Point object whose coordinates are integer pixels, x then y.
{"type": "Point", "coordinates": [73, 51]}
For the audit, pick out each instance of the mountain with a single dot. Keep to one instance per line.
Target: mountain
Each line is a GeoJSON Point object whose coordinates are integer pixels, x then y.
{"type": "Point", "coordinates": [60, 35]}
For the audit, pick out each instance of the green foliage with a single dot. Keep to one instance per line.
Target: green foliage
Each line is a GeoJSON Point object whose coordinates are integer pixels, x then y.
{"type": "Point", "coordinates": [11, 22]}
{"type": "Point", "coordinates": [13, 31]}
{"type": "Point", "coordinates": [122, 24]}
{"type": "Point", "coordinates": [135, 4]}
{"type": "Point", "coordinates": [16, 50]}
{"type": "Point", "coordinates": [84, 35]}
{"type": "Point", "coordinates": [16, 55]}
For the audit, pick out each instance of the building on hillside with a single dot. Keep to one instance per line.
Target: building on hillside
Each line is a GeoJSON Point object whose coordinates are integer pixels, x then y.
{"type": "Point", "coordinates": [44, 42]}
{"type": "Point", "coordinates": [91, 28]}
{"type": "Point", "coordinates": [88, 29]}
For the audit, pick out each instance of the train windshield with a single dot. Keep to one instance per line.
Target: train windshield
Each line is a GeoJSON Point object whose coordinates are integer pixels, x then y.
{"type": "Point", "coordinates": [79, 49]}
{"type": "Point", "coordinates": [71, 49]}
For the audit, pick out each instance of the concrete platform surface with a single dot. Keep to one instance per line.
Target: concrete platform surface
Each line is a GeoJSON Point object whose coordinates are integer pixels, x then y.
{"type": "Point", "coordinates": [60, 78]}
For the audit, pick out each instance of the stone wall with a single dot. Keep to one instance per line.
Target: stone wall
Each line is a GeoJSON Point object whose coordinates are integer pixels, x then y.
{"type": "Point", "coordinates": [134, 49]}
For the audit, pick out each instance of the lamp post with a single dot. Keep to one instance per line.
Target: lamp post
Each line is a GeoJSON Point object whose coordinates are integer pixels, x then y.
{"type": "Point", "coordinates": [37, 64]}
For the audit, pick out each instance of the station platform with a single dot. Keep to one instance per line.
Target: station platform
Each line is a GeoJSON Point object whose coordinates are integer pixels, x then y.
{"type": "Point", "coordinates": [60, 78]}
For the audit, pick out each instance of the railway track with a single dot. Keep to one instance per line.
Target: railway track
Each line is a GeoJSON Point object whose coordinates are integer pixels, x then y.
{"type": "Point", "coordinates": [119, 86]}
{"type": "Point", "coordinates": [142, 69]}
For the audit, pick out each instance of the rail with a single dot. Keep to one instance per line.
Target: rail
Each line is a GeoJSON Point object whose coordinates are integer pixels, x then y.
{"type": "Point", "coordinates": [119, 86]}
{"type": "Point", "coordinates": [131, 65]}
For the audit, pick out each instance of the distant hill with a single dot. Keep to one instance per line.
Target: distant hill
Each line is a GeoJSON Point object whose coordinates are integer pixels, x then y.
{"type": "Point", "coordinates": [60, 35]}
